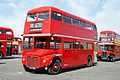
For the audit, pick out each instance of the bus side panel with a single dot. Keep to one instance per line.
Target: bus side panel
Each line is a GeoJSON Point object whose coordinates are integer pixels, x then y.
{"type": "Point", "coordinates": [58, 27]}
{"type": "Point", "coordinates": [68, 59]}
{"type": "Point", "coordinates": [46, 26]}
{"type": "Point", "coordinates": [117, 51]}
{"type": "Point", "coordinates": [83, 55]}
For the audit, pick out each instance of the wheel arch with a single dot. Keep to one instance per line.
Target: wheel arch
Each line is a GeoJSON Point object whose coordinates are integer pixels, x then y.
{"type": "Point", "coordinates": [56, 58]}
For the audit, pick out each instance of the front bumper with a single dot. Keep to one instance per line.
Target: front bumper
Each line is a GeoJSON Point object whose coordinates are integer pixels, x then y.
{"type": "Point", "coordinates": [36, 62]}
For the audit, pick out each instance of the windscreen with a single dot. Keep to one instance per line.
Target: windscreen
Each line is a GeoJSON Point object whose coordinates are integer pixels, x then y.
{"type": "Point", "coordinates": [106, 47]}
{"type": "Point", "coordinates": [27, 42]}
{"type": "Point", "coordinates": [37, 16]}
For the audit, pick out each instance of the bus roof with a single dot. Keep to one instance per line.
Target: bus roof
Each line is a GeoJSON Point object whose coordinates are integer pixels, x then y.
{"type": "Point", "coordinates": [5, 28]}
{"type": "Point", "coordinates": [109, 32]}
{"type": "Point", "coordinates": [46, 8]}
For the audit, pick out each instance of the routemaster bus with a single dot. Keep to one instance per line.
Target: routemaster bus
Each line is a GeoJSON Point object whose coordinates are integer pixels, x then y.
{"type": "Point", "coordinates": [16, 46]}
{"type": "Point", "coordinates": [54, 40]}
{"type": "Point", "coordinates": [109, 46]}
{"type": "Point", "coordinates": [6, 36]}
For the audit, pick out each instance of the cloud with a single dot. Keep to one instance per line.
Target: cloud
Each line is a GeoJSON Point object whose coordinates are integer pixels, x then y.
{"type": "Point", "coordinates": [11, 16]}
{"type": "Point", "coordinates": [14, 13]}
{"type": "Point", "coordinates": [104, 13]}
{"type": "Point", "coordinates": [108, 18]}
{"type": "Point", "coordinates": [83, 8]}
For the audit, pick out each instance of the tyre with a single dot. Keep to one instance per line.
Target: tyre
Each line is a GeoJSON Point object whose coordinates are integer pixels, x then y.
{"type": "Point", "coordinates": [26, 68]}
{"type": "Point", "coordinates": [55, 67]}
{"type": "Point", "coordinates": [89, 61]}
{"type": "Point", "coordinates": [99, 58]}
{"type": "Point", "coordinates": [111, 59]}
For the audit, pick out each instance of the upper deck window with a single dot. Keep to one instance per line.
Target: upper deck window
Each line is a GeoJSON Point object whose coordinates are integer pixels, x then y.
{"type": "Point", "coordinates": [43, 15]}
{"type": "Point", "coordinates": [32, 17]}
{"type": "Point", "coordinates": [82, 24]}
{"type": "Point", "coordinates": [9, 32]}
{"type": "Point", "coordinates": [1, 32]}
{"type": "Point", "coordinates": [76, 22]}
{"type": "Point", "coordinates": [56, 16]}
{"type": "Point", "coordinates": [6, 32]}
{"type": "Point", "coordinates": [94, 27]}
{"type": "Point", "coordinates": [39, 16]}
{"type": "Point", "coordinates": [67, 19]}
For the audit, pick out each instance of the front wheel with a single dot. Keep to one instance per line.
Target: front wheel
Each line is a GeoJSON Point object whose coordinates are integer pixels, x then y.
{"type": "Point", "coordinates": [26, 68]}
{"type": "Point", "coordinates": [111, 58]}
{"type": "Point", "coordinates": [55, 67]}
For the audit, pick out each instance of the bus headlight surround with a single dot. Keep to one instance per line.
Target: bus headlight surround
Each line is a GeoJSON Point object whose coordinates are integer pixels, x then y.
{"type": "Point", "coordinates": [23, 58]}
{"type": "Point", "coordinates": [44, 61]}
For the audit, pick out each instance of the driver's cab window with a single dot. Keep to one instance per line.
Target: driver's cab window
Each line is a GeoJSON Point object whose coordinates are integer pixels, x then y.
{"type": "Point", "coordinates": [27, 42]}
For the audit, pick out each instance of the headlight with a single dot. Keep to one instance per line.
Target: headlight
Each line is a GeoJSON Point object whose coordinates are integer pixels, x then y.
{"type": "Point", "coordinates": [2, 46]}
{"type": "Point", "coordinates": [23, 59]}
{"type": "Point", "coordinates": [44, 61]}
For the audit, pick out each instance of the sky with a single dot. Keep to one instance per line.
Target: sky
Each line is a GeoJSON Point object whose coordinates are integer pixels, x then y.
{"type": "Point", "coordinates": [104, 13]}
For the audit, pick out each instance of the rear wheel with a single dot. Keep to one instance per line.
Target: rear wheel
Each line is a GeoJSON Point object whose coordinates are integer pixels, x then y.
{"type": "Point", "coordinates": [89, 61]}
{"type": "Point", "coordinates": [55, 67]}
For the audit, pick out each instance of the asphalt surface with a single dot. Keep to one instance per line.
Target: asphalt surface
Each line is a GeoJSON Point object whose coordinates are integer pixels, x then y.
{"type": "Point", "coordinates": [11, 69]}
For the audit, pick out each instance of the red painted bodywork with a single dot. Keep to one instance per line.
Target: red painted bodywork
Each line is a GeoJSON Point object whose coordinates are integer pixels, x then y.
{"type": "Point", "coordinates": [112, 42]}
{"type": "Point", "coordinates": [69, 58]}
{"type": "Point", "coordinates": [4, 39]}
{"type": "Point", "coordinates": [100, 52]}
{"type": "Point", "coordinates": [15, 50]}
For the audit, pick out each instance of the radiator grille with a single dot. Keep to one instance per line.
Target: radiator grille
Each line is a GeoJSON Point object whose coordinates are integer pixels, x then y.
{"type": "Point", "coordinates": [33, 61]}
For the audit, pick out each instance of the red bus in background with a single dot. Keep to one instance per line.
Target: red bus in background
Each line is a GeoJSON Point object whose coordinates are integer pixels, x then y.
{"type": "Point", "coordinates": [109, 45]}
{"type": "Point", "coordinates": [6, 36]}
{"type": "Point", "coordinates": [54, 40]}
{"type": "Point", "coordinates": [16, 46]}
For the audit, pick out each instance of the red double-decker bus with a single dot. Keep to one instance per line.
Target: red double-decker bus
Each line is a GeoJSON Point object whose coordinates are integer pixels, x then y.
{"type": "Point", "coordinates": [54, 40]}
{"type": "Point", "coordinates": [6, 36]}
{"type": "Point", "coordinates": [109, 46]}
